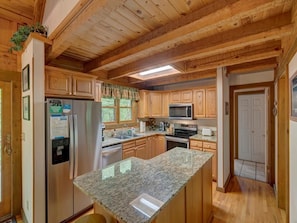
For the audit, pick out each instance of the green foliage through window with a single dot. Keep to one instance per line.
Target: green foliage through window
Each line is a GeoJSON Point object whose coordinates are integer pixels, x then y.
{"type": "Point", "coordinates": [111, 108]}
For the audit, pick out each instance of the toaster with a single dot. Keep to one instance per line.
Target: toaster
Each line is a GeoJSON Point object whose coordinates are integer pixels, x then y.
{"type": "Point", "coordinates": [206, 132]}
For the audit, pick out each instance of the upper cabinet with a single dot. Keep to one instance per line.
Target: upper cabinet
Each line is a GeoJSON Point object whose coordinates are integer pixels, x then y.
{"type": "Point", "coordinates": [165, 104]}
{"type": "Point", "coordinates": [143, 104]}
{"type": "Point", "coordinates": [199, 103]}
{"type": "Point", "coordinates": [66, 83]}
{"type": "Point", "coordinates": [155, 104]}
{"type": "Point", "coordinates": [211, 102]}
{"type": "Point", "coordinates": [184, 96]}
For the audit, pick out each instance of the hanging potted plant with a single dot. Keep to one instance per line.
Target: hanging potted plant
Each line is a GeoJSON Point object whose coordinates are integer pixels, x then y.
{"type": "Point", "coordinates": [21, 35]}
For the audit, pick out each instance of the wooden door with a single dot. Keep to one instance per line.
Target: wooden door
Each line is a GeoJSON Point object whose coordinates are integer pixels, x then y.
{"type": "Point", "coordinates": [141, 151]}
{"type": "Point", "coordinates": [5, 149]}
{"type": "Point", "coordinates": [155, 104]}
{"type": "Point", "coordinates": [251, 127]}
{"type": "Point", "coordinates": [211, 102]}
{"type": "Point", "coordinates": [83, 86]}
{"type": "Point", "coordinates": [199, 103]}
{"type": "Point", "coordinates": [165, 104]}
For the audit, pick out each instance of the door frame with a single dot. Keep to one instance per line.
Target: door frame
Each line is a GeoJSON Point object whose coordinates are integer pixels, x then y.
{"type": "Point", "coordinates": [270, 156]}
{"type": "Point", "coordinates": [15, 79]}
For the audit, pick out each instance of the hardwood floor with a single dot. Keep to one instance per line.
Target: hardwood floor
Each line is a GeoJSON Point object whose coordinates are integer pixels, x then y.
{"type": "Point", "coordinates": [246, 201]}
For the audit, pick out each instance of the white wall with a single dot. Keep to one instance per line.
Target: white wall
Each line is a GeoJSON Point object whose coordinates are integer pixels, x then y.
{"type": "Point", "coordinates": [55, 11]}
{"type": "Point", "coordinates": [33, 134]}
{"type": "Point", "coordinates": [251, 78]}
{"type": "Point", "coordinates": [293, 154]}
{"type": "Point", "coordinates": [223, 127]}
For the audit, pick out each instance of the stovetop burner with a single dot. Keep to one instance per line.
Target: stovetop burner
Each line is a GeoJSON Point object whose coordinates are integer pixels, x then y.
{"type": "Point", "coordinates": [184, 131]}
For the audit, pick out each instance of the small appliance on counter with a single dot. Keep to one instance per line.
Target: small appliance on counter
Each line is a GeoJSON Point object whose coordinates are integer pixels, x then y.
{"type": "Point", "coordinates": [142, 126]}
{"type": "Point", "coordinates": [161, 126]}
{"type": "Point", "coordinates": [207, 132]}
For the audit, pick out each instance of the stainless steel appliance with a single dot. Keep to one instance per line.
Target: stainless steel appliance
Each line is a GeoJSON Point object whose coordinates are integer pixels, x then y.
{"type": "Point", "coordinates": [111, 154]}
{"type": "Point", "coordinates": [181, 136]}
{"type": "Point", "coordinates": [181, 111]}
{"type": "Point", "coordinates": [73, 147]}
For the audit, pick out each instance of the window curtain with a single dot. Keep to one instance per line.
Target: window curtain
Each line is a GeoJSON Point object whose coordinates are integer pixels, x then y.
{"type": "Point", "coordinates": [116, 91]}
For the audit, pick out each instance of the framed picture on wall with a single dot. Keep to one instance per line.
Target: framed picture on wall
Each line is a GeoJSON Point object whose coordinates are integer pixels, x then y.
{"type": "Point", "coordinates": [293, 89]}
{"type": "Point", "coordinates": [26, 107]}
{"type": "Point", "coordinates": [26, 78]}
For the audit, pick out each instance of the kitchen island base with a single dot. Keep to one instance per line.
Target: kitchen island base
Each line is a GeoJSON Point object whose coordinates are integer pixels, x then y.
{"type": "Point", "coordinates": [192, 204]}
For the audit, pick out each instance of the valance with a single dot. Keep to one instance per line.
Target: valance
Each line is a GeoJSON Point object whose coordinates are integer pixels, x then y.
{"type": "Point", "coordinates": [116, 91]}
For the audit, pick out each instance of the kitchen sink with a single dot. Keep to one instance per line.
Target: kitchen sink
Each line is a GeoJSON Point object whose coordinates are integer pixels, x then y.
{"type": "Point", "coordinates": [126, 136]}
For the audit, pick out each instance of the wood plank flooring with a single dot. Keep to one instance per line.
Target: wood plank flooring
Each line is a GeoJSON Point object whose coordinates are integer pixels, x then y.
{"type": "Point", "coordinates": [246, 201]}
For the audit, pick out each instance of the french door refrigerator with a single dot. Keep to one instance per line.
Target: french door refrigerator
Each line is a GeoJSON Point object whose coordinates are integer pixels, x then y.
{"type": "Point", "coordinates": [73, 147]}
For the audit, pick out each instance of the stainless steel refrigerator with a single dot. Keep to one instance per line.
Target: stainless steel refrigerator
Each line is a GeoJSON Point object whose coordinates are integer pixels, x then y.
{"type": "Point", "coordinates": [73, 147]}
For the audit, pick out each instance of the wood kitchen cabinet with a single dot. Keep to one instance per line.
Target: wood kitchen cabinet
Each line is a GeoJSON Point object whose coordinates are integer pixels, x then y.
{"type": "Point", "coordinates": [143, 104]}
{"type": "Point", "coordinates": [199, 103]}
{"type": "Point", "coordinates": [155, 106]}
{"type": "Point", "coordinates": [60, 82]}
{"type": "Point", "coordinates": [165, 104]}
{"type": "Point", "coordinates": [211, 102]}
{"type": "Point", "coordinates": [98, 91]}
{"type": "Point", "coordinates": [207, 147]}
{"type": "Point", "coordinates": [135, 148]}
{"type": "Point", "coordinates": [156, 144]}
{"type": "Point", "coordinates": [183, 96]}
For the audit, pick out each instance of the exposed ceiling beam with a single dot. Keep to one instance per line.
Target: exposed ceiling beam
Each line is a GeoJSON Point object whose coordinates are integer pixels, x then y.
{"type": "Point", "coordinates": [182, 78]}
{"type": "Point", "coordinates": [249, 67]}
{"type": "Point", "coordinates": [209, 15]}
{"type": "Point", "coordinates": [248, 54]}
{"type": "Point", "coordinates": [78, 22]}
{"type": "Point", "coordinates": [38, 12]}
{"type": "Point", "coordinates": [272, 28]}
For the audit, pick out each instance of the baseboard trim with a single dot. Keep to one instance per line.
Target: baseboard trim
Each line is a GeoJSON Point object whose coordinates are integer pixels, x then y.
{"type": "Point", "coordinates": [224, 188]}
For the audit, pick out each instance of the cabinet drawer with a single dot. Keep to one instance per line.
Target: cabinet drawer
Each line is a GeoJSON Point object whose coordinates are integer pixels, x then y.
{"type": "Point", "coordinates": [127, 145]}
{"type": "Point", "coordinates": [196, 143]}
{"type": "Point", "coordinates": [209, 145]}
{"type": "Point", "coordinates": [140, 141]}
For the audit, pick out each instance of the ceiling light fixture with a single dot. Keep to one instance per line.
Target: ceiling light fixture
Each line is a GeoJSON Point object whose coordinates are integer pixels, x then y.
{"type": "Point", "coordinates": [156, 70]}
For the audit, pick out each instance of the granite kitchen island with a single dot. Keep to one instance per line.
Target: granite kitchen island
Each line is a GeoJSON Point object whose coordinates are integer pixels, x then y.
{"type": "Point", "coordinates": [175, 186]}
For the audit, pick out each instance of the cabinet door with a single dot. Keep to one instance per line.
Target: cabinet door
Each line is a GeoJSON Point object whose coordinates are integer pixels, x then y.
{"type": "Point", "coordinates": [143, 107]}
{"type": "Point", "coordinates": [199, 103]}
{"type": "Point", "coordinates": [58, 84]}
{"type": "Point", "coordinates": [98, 91]}
{"type": "Point", "coordinates": [175, 97]}
{"type": "Point", "coordinates": [83, 86]}
{"type": "Point", "coordinates": [160, 145]}
{"type": "Point", "coordinates": [128, 153]}
{"type": "Point", "coordinates": [214, 162]}
{"type": "Point", "coordinates": [155, 104]}
{"type": "Point", "coordinates": [211, 102]}
{"type": "Point", "coordinates": [150, 145]}
{"type": "Point", "coordinates": [141, 151]}
{"type": "Point", "coordinates": [187, 96]}
{"type": "Point", "coordinates": [165, 104]}
{"type": "Point", "coordinates": [196, 144]}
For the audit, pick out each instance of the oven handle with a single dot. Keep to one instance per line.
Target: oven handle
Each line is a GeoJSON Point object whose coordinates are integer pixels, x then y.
{"type": "Point", "coordinates": [176, 139]}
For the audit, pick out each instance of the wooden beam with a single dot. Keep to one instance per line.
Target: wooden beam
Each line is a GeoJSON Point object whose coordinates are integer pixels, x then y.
{"type": "Point", "coordinates": [38, 12]}
{"type": "Point", "coordinates": [273, 28]}
{"type": "Point", "coordinates": [209, 15]}
{"type": "Point", "coordinates": [178, 78]}
{"type": "Point", "coordinates": [12, 16]}
{"type": "Point", "coordinates": [78, 22]}
{"type": "Point", "coordinates": [248, 54]}
{"type": "Point", "coordinates": [253, 66]}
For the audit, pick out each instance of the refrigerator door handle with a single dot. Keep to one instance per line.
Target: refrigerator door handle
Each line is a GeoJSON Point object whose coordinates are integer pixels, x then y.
{"type": "Point", "coordinates": [75, 145]}
{"type": "Point", "coordinates": [71, 163]}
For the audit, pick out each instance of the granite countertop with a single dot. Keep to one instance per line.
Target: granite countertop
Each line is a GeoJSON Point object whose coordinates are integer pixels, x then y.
{"type": "Point", "coordinates": [204, 138]}
{"type": "Point", "coordinates": [108, 141]}
{"type": "Point", "coordinates": [162, 177]}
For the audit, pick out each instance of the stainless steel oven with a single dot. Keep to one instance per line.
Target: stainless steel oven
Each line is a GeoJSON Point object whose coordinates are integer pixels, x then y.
{"type": "Point", "coordinates": [172, 142]}
{"type": "Point", "coordinates": [181, 135]}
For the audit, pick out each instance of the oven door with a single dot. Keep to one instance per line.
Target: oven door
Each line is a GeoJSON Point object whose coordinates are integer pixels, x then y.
{"type": "Point", "coordinates": [172, 142]}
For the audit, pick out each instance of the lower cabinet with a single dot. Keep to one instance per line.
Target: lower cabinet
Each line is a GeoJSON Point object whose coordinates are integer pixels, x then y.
{"type": "Point", "coordinates": [135, 148]}
{"type": "Point", "coordinates": [207, 147]}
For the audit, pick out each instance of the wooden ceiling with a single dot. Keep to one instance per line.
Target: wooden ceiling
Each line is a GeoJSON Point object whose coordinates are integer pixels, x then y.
{"type": "Point", "coordinates": [116, 38]}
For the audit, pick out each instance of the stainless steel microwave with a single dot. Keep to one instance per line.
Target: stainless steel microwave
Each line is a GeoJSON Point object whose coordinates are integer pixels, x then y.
{"type": "Point", "coordinates": [181, 111]}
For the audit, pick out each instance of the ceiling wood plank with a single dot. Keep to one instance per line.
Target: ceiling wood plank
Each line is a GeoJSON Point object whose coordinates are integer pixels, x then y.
{"type": "Point", "coordinates": [254, 66]}
{"type": "Point", "coordinates": [12, 16]}
{"type": "Point", "coordinates": [248, 54]}
{"type": "Point", "coordinates": [208, 15]}
{"type": "Point", "coordinates": [177, 78]}
{"type": "Point", "coordinates": [273, 28]}
{"type": "Point", "coordinates": [78, 23]}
